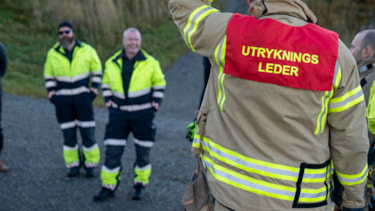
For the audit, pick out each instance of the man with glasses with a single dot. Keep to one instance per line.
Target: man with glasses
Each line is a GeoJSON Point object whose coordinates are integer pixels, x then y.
{"type": "Point", "coordinates": [72, 73]}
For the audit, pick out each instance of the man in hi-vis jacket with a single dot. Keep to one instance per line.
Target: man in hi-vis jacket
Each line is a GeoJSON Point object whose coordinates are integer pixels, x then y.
{"type": "Point", "coordinates": [133, 89]}
{"type": "Point", "coordinates": [72, 72]}
{"type": "Point", "coordinates": [283, 108]}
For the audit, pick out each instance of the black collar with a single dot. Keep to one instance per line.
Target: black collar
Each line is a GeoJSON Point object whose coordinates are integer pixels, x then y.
{"type": "Point", "coordinates": [139, 57]}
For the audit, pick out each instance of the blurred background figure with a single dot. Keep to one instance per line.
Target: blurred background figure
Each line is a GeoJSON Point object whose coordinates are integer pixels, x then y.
{"type": "Point", "coordinates": [3, 68]}
{"type": "Point", "coordinates": [363, 50]}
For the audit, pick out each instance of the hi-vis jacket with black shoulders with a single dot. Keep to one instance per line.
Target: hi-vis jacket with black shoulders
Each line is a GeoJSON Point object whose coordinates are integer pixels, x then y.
{"type": "Point", "coordinates": [283, 108]}
{"type": "Point", "coordinates": [147, 83]}
{"type": "Point", "coordinates": [72, 77]}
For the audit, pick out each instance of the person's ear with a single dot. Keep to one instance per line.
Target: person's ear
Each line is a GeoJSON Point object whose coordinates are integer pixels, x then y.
{"type": "Point", "coordinates": [368, 52]}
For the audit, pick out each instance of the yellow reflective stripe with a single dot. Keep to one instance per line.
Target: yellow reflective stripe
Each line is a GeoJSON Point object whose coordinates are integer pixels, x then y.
{"type": "Point", "coordinates": [260, 187]}
{"type": "Point", "coordinates": [194, 19]}
{"type": "Point", "coordinates": [259, 167]}
{"type": "Point", "coordinates": [321, 194]}
{"type": "Point", "coordinates": [338, 75]}
{"type": "Point", "coordinates": [220, 61]}
{"type": "Point", "coordinates": [350, 99]}
{"type": "Point", "coordinates": [324, 173]}
{"type": "Point", "coordinates": [247, 183]}
{"type": "Point", "coordinates": [253, 170]}
{"type": "Point", "coordinates": [353, 179]}
{"type": "Point", "coordinates": [322, 117]}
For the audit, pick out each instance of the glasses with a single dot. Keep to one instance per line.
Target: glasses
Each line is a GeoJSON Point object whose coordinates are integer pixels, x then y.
{"type": "Point", "coordinates": [64, 32]}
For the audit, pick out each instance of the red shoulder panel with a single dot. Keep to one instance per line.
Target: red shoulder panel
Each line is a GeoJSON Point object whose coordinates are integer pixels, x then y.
{"type": "Point", "coordinates": [272, 52]}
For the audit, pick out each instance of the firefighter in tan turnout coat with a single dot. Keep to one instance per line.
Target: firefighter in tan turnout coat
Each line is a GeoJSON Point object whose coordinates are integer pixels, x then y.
{"type": "Point", "coordinates": [283, 110]}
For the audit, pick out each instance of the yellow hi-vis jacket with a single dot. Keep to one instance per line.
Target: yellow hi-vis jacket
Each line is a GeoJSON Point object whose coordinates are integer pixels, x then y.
{"type": "Point", "coordinates": [147, 83]}
{"type": "Point", "coordinates": [273, 147]}
{"type": "Point", "coordinates": [73, 77]}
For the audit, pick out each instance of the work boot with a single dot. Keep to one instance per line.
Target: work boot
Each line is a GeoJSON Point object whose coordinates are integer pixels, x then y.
{"type": "Point", "coordinates": [90, 172]}
{"type": "Point", "coordinates": [73, 172]}
{"type": "Point", "coordinates": [3, 167]}
{"type": "Point", "coordinates": [104, 194]}
{"type": "Point", "coordinates": [139, 191]}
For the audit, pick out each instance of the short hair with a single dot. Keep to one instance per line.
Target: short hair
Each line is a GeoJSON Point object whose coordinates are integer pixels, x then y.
{"type": "Point", "coordinates": [131, 29]}
{"type": "Point", "coordinates": [65, 24]}
{"type": "Point", "coordinates": [368, 39]}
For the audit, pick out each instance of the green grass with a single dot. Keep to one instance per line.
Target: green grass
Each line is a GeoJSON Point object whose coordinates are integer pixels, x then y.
{"type": "Point", "coordinates": [27, 47]}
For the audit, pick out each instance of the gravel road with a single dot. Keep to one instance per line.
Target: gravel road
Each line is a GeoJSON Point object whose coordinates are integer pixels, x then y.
{"type": "Point", "coordinates": [33, 150]}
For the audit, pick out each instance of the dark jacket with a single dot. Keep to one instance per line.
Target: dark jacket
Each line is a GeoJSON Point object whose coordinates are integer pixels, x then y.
{"type": "Point", "coordinates": [3, 60]}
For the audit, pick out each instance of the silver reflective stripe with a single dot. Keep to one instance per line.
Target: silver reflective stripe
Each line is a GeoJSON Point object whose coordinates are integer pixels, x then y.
{"type": "Point", "coordinates": [115, 142]}
{"type": "Point", "coordinates": [118, 95]}
{"type": "Point", "coordinates": [49, 78]}
{"type": "Point", "coordinates": [137, 168]}
{"type": "Point", "coordinates": [105, 86]}
{"type": "Point", "coordinates": [254, 165]}
{"type": "Point", "coordinates": [354, 180]}
{"type": "Point", "coordinates": [313, 195]}
{"type": "Point", "coordinates": [88, 149]}
{"type": "Point", "coordinates": [50, 84]}
{"type": "Point", "coordinates": [85, 124]}
{"type": "Point", "coordinates": [71, 92]}
{"type": "Point", "coordinates": [139, 93]}
{"type": "Point", "coordinates": [96, 79]}
{"type": "Point", "coordinates": [158, 94]}
{"type": "Point", "coordinates": [193, 22]}
{"type": "Point", "coordinates": [67, 125]}
{"type": "Point", "coordinates": [138, 107]}
{"type": "Point", "coordinates": [96, 72]}
{"type": "Point", "coordinates": [347, 100]}
{"type": "Point", "coordinates": [107, 93]}
{"type": "Point", "coordinates": [219, 56]}
{"type": "Point", "coordinates": [143, 143]}
{"type": "Point", "coordinates": [73, 79]}
{"type": "Point", "coordinates": [158, 87]}
{"type": "Point", "coordinates": [252, 185]}
{"type": "Point", "coordinates": [115, 170]}
{"type": "Point", "coordinates": [70, 148]}
{"type": "Point", "coordinates": [72, 124]}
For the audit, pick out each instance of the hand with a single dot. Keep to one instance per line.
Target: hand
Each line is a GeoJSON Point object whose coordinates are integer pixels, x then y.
{"type": "Point", "coordinates": [108, 103]}
{"type": "Point", "coordinates": [337, 208]}
{"type": "Point", "coordinates": [51, 94]}
{"type": "Point", "coordinates": [94, 90]}
{"type": "Point", "coordinates": [155, 105]}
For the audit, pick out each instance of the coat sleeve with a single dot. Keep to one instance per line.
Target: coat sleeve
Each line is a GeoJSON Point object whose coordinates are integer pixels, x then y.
{"type": "Point", "coordinates": [201, 26]}
{"type": "Point", "coordinates": [349, 142]}
{"type": "Point", "coordinates": [106, 88]}
{"type": "Point", "coordinates": [158, 84]}
{"type": "Point", "coordinates": [96, 69]}
{"type": "Point", "coordinates": [49, 76]}
{"type": "Point", "coordinates": [3, 60]}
